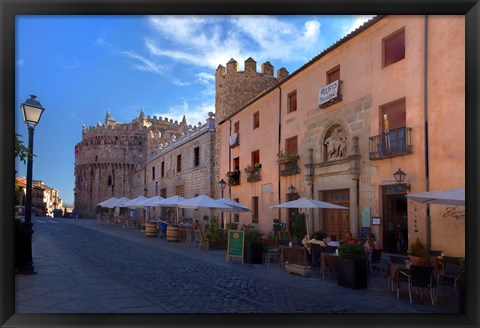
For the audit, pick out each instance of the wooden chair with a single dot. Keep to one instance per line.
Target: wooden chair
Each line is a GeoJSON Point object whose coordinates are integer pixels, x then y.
{"type": "Point", "coordinates": [329, 262]}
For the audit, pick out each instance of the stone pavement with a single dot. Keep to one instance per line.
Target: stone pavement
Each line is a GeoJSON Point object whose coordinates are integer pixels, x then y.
{"type": "Point", "coordinates": [74, 276]}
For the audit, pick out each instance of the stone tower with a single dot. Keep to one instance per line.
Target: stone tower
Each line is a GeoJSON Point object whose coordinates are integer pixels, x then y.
{"type": "Point", "coordinates": [110, 152]}
{"type": "Point", "coordinates": [234, 89]}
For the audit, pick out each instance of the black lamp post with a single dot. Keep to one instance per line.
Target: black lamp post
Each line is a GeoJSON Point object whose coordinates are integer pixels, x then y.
{"type": "Point", "coordinates": [222, 185]}
{"type": "Point", "coordinates": [32, 111]}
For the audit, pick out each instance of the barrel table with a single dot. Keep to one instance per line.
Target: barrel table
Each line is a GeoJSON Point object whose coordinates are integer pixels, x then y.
{"type": "Point", "coordinates": [172, 233]}
{"type": "Point", "coordinates": [151, 229]}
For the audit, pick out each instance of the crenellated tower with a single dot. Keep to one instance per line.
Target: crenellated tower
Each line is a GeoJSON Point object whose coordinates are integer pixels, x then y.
{"type": "Point", "coordinates": [110, 152]}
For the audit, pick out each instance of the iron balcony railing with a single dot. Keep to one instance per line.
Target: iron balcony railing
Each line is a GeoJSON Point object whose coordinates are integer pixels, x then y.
{"type": "Point", "coordinates": [393, 143]}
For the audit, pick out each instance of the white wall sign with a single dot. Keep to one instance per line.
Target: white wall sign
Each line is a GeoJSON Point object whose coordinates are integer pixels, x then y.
{"type": "Point", "coordinates": [328, 92]}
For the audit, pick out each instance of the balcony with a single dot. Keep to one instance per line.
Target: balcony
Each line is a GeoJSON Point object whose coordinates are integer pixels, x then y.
{"type": "Point", "coordinates": [394, 143]}
{"type": "Point", "coordinates": [253, 173]}
{"type": "Point", "coordinates": [288, 164]}
{"type": "Point", "coordinates": [233, 177]}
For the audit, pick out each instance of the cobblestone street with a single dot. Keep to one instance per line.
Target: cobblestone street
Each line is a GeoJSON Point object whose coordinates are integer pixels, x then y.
{"type": "Point", "coordinates": [86, 267]}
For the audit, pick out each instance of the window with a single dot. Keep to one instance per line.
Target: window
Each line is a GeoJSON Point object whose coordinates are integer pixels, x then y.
{"type": "Point", "coordinates": [256, 120]}
{"type": "Point", "coordinates": [162, 169]}
{"type": "Point", "coordinates": [153, 172]}
{"type": "Point", "coordinates": [236, 127]}
{"type": "Point", "coordinates": [196, 155]}
{"type": "Point", "coordinates": [255, 209]}
{"type": "Point", "coordinates": [109, 180]}
{"type": "Point", "coordinates": [291, 145]}
{"type": "Point", "coordinates": [333, 74]}
{"type": "Point", "coordinates": [179, 163]}
{"type": "Point", "coordinates": [156, 188]}
{"type": "Point", "coordinates": [236, 163]}
{"type": "Point", "coordinates": [292, 102]}
{"type": "Point", "coordinates": [180, 190]}
{"type": "Point", "coordinates": [163, 192]}
{"type": "Point", "coordinates": [394, 48]}
{"type": "Point", "coordinates": [255, 157]}
{"type": "Point", "coordinates": [395, 113]}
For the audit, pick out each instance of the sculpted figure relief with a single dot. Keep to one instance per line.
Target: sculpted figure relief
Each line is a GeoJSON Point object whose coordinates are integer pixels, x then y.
{"type": "Point", "coordinates": [336, 144]}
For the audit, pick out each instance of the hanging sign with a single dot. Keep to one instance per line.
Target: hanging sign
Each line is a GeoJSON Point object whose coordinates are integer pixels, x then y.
{"type": "Point", "coordinates": [329, 93]}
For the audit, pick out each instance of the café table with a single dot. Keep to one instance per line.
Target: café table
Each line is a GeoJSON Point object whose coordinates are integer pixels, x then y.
{"type": "Point", "coordinates": [285, 251]}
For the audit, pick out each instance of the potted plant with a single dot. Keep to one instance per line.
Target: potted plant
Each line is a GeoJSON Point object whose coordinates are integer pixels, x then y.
{"type": "Point", "coordinates": [352, 266]}
{"type": "Point", "coordinates": [253, 247]}
{"type": "Point", "coordinates": [215, 237]}
{"type": "Point", "coordinates": [297, 265]}
{"type": "Point", "coordinates": [417, 253]}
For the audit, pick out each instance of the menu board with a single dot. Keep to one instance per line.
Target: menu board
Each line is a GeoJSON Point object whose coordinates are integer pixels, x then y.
{"type": "Point", "coordinates": [236, 239]}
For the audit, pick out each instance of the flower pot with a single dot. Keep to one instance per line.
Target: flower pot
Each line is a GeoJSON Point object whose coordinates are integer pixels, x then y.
{"type": "Point", "coordinates": [416, 260]}
{"type": "Point", "coordinates": [252, 253]}
{"type": "Point", "coordinates": [301, 270]}
{"type": "Point", "coordinates": [352, 274]}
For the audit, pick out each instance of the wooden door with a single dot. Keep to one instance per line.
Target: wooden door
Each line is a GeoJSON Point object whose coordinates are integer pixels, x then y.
{"type": "Point", "coordinates": [337, 222]}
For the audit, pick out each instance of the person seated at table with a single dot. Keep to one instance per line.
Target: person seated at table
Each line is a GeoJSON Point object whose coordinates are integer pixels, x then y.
{"type": "Point", "coordinates": [369, 243]}
{"type": "Point", "coordinates": [314, 240]}
{"type": "Point", "coordinates": [349, 239]}
{"type": "Point", "coordinates": [196, 225]}
{"type": "Point", "coordinates": [333, 241]}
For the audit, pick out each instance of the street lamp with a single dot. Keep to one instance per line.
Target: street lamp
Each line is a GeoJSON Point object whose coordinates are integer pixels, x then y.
{"type": "Point", "coordinates": [291, 189]}
{"type": "Point", "coordinates": [400, 178]}
{"type": "Point", "coordinates": [222, 185]}
{"type": "Point", "coordinates": [32, 111]}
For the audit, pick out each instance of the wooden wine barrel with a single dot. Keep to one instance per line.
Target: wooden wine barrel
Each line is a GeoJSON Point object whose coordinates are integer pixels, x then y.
{"type": "Point", "coordinates": [172, 233]}
{"type": "Point", "coordinates": [151, 229]}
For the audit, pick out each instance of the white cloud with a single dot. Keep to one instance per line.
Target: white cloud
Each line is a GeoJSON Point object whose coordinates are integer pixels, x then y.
{"type": "Point", "coordinates": [144, 64]}
{"type": "Point", "coordinates": [194, 115]}
{"type": "Point", "coordinates": [72, 66]}
{"type": "Point", "coordinates": [180, 83]}
{"type": "Point", "coordinates": [359, 21]}
{"type": "Point", "coordinates": [205, 78]}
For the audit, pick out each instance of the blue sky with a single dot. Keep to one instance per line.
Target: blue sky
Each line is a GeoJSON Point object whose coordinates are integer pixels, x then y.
{"type": "Point", "coordinates": [80, 66]}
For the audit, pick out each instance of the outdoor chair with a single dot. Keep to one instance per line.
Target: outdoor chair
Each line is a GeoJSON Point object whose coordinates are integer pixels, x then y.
{"type": "Point", "coordinates": [198, 234]}
{"type": "Point", "coordinates": [329, 263]}
{"type": "Point", "coordinates": [272, 253]}
{"type": "Point", "coordinates": [189, 234]}
{"type": "Point", "coordinates": [375, 257]}
{"type": "Point", "coordinates": [420, 277]}
{"type": "Point", "coordinates": [316, 250]}
{"type": "Point", "coordinates": [449, 274]}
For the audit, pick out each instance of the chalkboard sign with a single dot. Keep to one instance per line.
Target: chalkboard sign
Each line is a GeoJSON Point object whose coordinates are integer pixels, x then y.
{"type": "Point", "coordinates": [365, 231]}
{"type": "Point", "coordinates": [236, 239]}
{"type": "Point", "coordinates": [283, 237]}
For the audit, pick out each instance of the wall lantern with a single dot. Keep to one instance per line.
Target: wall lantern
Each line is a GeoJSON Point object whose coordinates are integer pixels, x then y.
{"type": "Point", "coordinates": [400, 178]}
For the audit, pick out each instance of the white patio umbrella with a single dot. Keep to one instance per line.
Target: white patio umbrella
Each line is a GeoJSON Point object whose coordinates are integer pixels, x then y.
{"type": "Point", "coordinates": [442, 197]}
{"type": "Point", "coordinates": [236, 207]}
{"type": "Point", "coordinates": [308, 203]}
{"type": "Point", "coordinates": [108, 202]}
{"type": "Point", "coordinates": [136, 202]}
{"type": "Point", "coordinates": [203, 201]}
{"type": "Point", "coordinates": [172, 201]}
{"type": "Point", "coordinates": [153, 201]}
{"type": "Point", "coordinates": [121, 202]}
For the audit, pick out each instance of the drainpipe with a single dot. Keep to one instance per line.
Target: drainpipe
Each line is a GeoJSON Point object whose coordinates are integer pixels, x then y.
{"type": "Point", "coordinates": [425, 111]}
{"type": "Point", "coordinates": [278, 148]}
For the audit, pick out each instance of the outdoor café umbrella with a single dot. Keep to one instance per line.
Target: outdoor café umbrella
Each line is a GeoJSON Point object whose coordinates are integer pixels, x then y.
{"type": "Point", "coordinates": [136, 202]}
{"type": "Point", "coordinates": [203, 201]}
{"type": "Point", "coordinates": [172, 202]}
{"type": "Point", "coordinates": [442, 197]}
{"type": "Point", "coordinates": [154, 201]}
{"type": "Point", "coordinates": [308, 203]}
{"type": "Point", "coordinates": [235, 206]}
{"type": "Point", "coordinates": [108, 202]}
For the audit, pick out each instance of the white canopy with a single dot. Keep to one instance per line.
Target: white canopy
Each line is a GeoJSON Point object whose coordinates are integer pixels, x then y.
{"type": "Point", "coordinates": [203, 201]}
{"type": "Point", "coordinates": [171, 201]}
{"type": "Point", "coordinates": [443, 197]}
{"type": "Point", "coordinates": [154, 201]}
{"type": "Point", "coordinates": [136, 202]}
{"type": "Point", "coordinates": [108, 202]}
{"type": "Point", "coordinates": [235, 206]}
{"type": "Point", "coordinates": [121, 202]}
{"type": "Point", "coordinates": [308, 203]}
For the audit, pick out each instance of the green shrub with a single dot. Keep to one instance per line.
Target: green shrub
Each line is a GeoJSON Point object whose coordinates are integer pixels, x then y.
{"type": "Point", "coordinates": [417, 248]}
{"type": "Point", "coordinates": [352, 251]}
{"type": "Point", "coordinates": [252, 235]}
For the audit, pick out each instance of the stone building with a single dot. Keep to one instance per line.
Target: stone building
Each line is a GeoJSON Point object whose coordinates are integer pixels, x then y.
{"type": "Point", "coordinates": [109, 153]}
{"type": "Point", "coordinates": [340, 126]}
{"type": "Point", "coordinates": [183, 166]}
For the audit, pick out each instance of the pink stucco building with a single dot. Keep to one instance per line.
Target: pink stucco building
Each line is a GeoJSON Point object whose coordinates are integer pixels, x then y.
{"type": "Point", "coordinates": [388, 96]}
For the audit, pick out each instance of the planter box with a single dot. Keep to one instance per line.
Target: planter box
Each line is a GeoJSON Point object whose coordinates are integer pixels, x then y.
{"type": "Point", "coordinates": [352, 274]}
{"type": "Point", "coordinates": [415, 260]}
{"type": "Point", "coordinates": [214, 245]}
{"type": "Point", "coordinates": [252, 253]}
{"type": "Point", "coordinates": [301, 270]}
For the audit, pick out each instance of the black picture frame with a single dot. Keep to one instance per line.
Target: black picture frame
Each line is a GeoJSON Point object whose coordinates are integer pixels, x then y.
{"type": "Point", "coordinates": [10, 8]}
